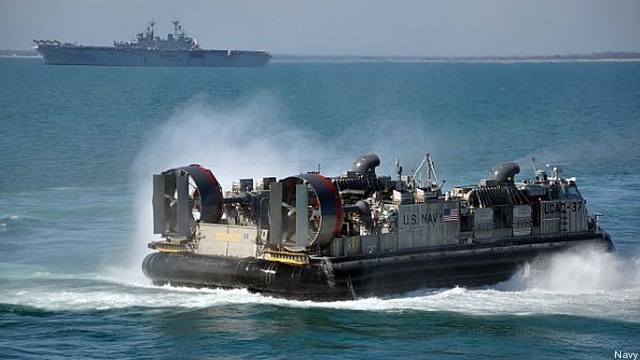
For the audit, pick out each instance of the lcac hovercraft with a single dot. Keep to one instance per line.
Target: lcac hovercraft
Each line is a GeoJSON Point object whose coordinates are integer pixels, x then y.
{"type": "Point", "coordinates": [359, 234]}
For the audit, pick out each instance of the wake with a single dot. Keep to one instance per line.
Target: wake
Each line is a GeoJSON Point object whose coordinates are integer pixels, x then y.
{"type": "Point", "coordinates": [583, 282]}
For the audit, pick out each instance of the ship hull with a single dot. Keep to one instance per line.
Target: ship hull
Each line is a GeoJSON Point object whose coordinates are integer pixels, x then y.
{"type": "Point", "coordinates": [111, 56]}
{"type": "Point", "coordinates": [344, 278]}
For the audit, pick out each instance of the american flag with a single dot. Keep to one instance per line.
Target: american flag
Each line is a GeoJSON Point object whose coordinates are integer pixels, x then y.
{"type": "Point", "coordinates": [450, 214]}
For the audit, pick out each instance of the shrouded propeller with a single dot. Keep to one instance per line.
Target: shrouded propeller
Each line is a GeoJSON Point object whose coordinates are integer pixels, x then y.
{"type": "Point", "coordinates": [183, 197]}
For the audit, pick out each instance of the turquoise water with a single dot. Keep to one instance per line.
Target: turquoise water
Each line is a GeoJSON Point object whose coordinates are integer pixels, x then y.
{"type": "Point", "coordinates": [78, 146]}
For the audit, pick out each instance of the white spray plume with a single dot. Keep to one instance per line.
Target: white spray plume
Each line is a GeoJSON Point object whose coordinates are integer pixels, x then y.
{"type": "Point", "coordinates": [250, 141]}
{"type": "Point", "coordinates": [576, 271]}
{"type": "Point", "coordinates": [255, 139]}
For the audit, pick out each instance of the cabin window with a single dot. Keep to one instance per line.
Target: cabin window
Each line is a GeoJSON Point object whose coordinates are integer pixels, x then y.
{"type": "Point", "coordinates": [571, 192]}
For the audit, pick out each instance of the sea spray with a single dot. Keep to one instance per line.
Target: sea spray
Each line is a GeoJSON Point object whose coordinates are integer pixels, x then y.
{"type": "Point", "coordinates": [253, 137]}
{"type": "Point", "coordinates": [575, 271]}
{"type": "Point", "coordinates": [246, 141]}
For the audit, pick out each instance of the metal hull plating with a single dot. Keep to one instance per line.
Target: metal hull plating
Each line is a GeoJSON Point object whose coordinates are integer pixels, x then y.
{"type": "Point", "coordinates": [343, 278]}
{"type": "Point", "coordinates": [111, 56]}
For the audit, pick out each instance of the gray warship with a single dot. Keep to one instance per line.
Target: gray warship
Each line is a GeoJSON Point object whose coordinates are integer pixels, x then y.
{"type": "Point", "coordinates": [357, 235]}
{"type": "Point", "coordinates": [146, 49]}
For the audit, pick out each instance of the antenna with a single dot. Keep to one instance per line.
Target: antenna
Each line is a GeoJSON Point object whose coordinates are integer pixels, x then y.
{"type": "Point", "coordinates": [533, 163]}
{"type": "Point", "coordinates": [432, 178]}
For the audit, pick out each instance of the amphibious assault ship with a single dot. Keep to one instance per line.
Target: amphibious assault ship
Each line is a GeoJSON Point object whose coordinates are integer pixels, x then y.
{"type": "Point", "coordinates": [146, 49]}
{"type": "Point", "coordinates": [310, 236]}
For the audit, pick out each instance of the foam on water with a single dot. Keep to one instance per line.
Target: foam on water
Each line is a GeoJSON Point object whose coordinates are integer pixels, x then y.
{"type": "Point", "coordinates": [601, 285]}
{"type": "Point", "coordinates": [581, 270]}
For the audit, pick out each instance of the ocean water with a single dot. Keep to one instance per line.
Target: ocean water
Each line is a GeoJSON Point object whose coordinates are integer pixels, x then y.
{"type": "Point", "coordinates": [78, 146]}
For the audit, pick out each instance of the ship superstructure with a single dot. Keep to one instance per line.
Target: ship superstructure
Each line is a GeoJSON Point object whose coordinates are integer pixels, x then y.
{"type": "Point", "coordinates": [178, 40]}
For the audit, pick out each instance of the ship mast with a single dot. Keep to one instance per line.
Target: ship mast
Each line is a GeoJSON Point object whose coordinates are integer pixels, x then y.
{"type": "Point", "coordinates": [432, 178]}
{"type": "Point", "coordinates": [176, 27]}
{"type": "Point", "coordinates": [152, 23]}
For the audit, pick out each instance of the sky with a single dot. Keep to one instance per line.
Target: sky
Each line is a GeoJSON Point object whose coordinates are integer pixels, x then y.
{"type": "Point", "coordinates": [340, 27]}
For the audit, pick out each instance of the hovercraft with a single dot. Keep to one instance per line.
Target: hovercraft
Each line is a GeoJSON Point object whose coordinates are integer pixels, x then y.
{"type": "Point", "coordinates": [356, 235]}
